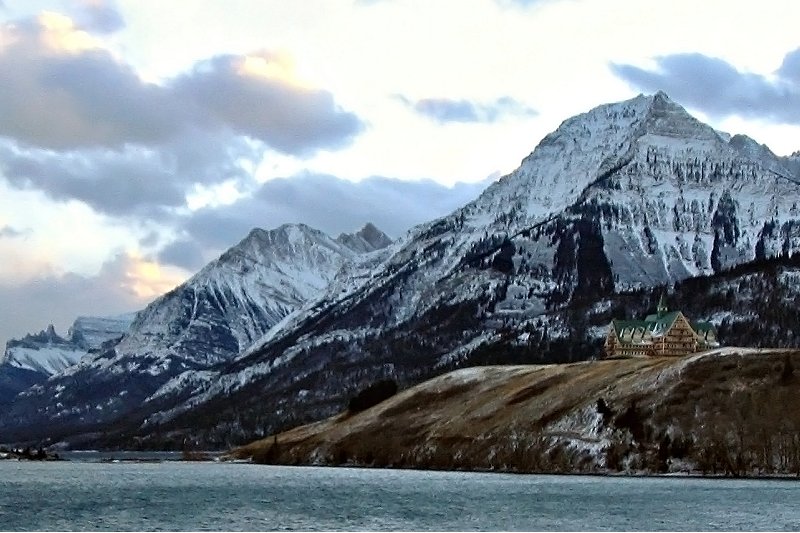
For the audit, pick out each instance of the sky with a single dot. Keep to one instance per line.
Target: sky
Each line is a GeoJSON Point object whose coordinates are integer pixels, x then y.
{"type": "Point", "coordinates": [141, 138]}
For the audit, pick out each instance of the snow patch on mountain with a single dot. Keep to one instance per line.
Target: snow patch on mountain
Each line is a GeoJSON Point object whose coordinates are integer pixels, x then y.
{"type": "Point", "coordinates": [48, 353]}
{"type": "Point", "coordinates": [92, 332]}
{"type": "Point", "coordinates": [208, 320]}
{"type": "Point", "coordinates": [628, 195]}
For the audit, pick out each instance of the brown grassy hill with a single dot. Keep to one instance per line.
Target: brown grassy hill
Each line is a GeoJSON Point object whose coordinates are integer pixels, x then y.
{"type": "Point", "coordinates": [731, 411]}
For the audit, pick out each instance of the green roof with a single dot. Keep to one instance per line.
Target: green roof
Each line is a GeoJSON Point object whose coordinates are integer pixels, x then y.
{"type": "Point", "coordinates": [652, 323]}
{"type": "Point", "coordinates": [657, 323]}
{"type": "Point", "coordinates": [666, 317]}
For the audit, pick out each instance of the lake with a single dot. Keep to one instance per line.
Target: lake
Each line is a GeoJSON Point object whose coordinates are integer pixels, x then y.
{"type": "Point", "coordinates": [84, 495]}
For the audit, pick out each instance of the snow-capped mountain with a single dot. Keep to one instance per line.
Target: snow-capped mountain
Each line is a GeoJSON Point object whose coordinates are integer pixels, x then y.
{"type": "Point", "coordinates": [45, 352]}
{"type": "Point", "coordinates": [48, 353]}
{"type": "Point", "coordinates": [632, 195]}
{"type": "Point", "coordinates": [208, 320]}
{"type": "Point", "coordinates": [792, 162]}
{"type": "Point", "coordinates": [92, 332]}
{"type": "Point", "coordinates": [36, 357]}
{"type": "Point", "coordinates": [368, 239]}
{"type": "Point", "coordinates": [629, 195]}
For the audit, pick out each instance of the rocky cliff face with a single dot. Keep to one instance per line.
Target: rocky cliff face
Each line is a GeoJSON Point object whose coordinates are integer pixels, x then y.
{"type": "Point", "coordinates": [208, 320]}
{"type": "Point", "coordinates": [45, 352]}
{"type": "Point", "coordinates": [628, 196]}
{"type": "Point", "coordinates": [35, 357]}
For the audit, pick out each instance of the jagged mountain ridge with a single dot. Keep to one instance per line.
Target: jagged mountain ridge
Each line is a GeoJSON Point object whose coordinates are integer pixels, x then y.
{"type": "Point", "coordinates": [207, 320]}
{"type": "Point", "coordinates": [628, 195]}
{"type": "Point", "coordinates": [35, 357]}
{"type": "Point", "coordinates": [49, 353]}
{"type": "Point", "coordinates": [45, 352]}
{"type": "Point", "coordinates": [92, 332]}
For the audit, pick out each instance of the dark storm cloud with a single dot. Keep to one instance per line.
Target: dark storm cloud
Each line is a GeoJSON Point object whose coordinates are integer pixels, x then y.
{"type": "Point", "coordinates": [330, 204]}
{"type": "Point", "coordinates": [57, 99]}
{"type": "Point", "coordinates": [719, 89]}
{"type": "Point", "coordinates": [444, 110]}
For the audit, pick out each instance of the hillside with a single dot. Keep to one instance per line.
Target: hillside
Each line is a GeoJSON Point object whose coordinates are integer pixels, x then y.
{"type": "Point", "coordinates": [632, 197]}
{"type": "Point", "coordinates": [617, 206]}
{"type": "Point", "coordinates": [731, 411]}
{"type": "Point", "coordinates": [208, 320]}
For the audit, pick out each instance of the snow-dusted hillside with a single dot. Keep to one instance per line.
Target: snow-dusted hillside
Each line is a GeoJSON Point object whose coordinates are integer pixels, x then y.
{"type": "Point", "coordinates": [48, 353]}
{"type": "Point", "coordinates": [208, 320]}
{"type": "Point", "coordinates": [629, 195]}
{"type": "Point", "coordinates": [729, 411]}
{"type": "Point", "coordinates": [35, 357]}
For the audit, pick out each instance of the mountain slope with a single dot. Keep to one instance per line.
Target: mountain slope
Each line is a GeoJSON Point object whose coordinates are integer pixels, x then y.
{"type": "Point", "coordinates": [45, 352]}
{"type": "Point", "coordinates": [628, 196]}
{"type": "Point", "coordinates": [207, 320]}
{"type": "Point", "coordinates": [618, 203]}
{"type": "Point", "coordinates": [36, 357]}
{"type": "Point", "coordinates": [637, 415]}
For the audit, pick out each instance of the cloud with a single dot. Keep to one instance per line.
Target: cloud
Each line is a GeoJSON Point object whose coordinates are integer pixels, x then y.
{"type": "Point", "coordinates": [11, 232]}
{"type": "Point", "coordinates": [525, 4]}
{"type": "Point", "coordinates": [239, 93]}
{"type": "Point", "coordinates": [719, 89]}
{"type": "Point", "coordinates": [101, 16]}
{"type": "Point", "coordinates": [184, 253]}
{"type": "Point", "coordinates": [124, 284]}
{"type": "Point", "coordinates": [444, 110]}
{"type": "Point", "coordinates": [134, 181]}
{"type": "Point", "coordinates": [61, 90]}
{"type": "Point", "coordinates": [790, 69]}
{"type": "Point", "coordinates": [325, 202]}
{"type": "Point", "coordinates": [78, 124]}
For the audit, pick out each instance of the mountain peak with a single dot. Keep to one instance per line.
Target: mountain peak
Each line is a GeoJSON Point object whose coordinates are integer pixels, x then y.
{"type": "Point", "coordinates": [367, 239]}
{"type": "Point", "coordinates": [374, 236]}
{"type": "Point", "coordinates": [669, 119]}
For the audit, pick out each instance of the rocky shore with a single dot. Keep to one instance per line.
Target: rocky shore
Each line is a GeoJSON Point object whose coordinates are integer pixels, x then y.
{"type": "Point", "coordinates": [28, 454]}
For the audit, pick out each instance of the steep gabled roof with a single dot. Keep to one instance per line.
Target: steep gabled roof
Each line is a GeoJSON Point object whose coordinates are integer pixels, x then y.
{"type": "Point", "coordinates": [655, 324]}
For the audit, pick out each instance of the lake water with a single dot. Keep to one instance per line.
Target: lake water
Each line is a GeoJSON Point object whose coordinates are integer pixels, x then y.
{"type": "Point", "coordinates": [80, 495]}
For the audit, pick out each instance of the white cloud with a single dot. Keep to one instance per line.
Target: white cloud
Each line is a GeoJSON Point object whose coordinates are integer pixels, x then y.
{"type": "Point", "coordinates": [129, 132]}
{"type": "Point", "coordinates": [124, 283]}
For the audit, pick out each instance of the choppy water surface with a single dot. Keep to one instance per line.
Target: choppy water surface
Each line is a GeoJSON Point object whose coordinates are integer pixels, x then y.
{"type": "Point", "coordinates": [79, 495]}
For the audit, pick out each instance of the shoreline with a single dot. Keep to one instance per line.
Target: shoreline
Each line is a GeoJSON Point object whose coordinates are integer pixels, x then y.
{"type": "Point", "coordinates": [219, 457]}
{"type": "Point", "coordinates": [655, 475]}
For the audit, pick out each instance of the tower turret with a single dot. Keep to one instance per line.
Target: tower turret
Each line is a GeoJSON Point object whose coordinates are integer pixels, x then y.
{"type": "Point", "coordinates": [662, 308]}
